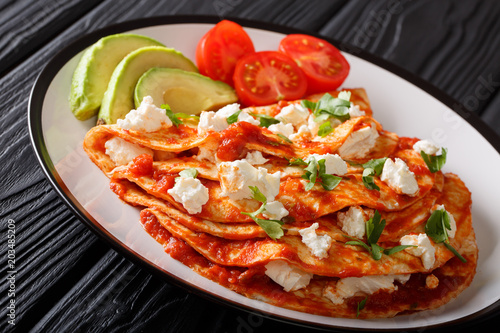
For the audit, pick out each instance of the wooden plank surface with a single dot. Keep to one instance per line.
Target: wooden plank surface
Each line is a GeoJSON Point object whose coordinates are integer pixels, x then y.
{"type": "Point", "coordinates": [68, 279]}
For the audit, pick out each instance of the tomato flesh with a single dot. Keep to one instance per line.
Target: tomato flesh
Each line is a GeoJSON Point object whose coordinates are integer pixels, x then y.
{"type": "Point", "coordinates": [323, 64]}
{"type": "Point", "coordinates": [220, 48]}
{"type": "Point", "coordinates": [265, 77]}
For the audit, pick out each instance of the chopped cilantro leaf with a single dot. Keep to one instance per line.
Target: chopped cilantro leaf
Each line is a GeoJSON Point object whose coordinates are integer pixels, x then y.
{"type": "Point", "coordinates": [316, 170]}
{"type": "Point", "coordinates": [368, 180]}
{"type": "Point", "coordinates": [265, 120]}
{"type": "Point", "coordinates": [374, 228]}
{"type": "Point", "coordinates": [325, 129]}
{"type": "Point", "coordinates": [376, 164]}
{"type": "Point", "coordinates": [361, 306]}
{"type": "Point", "coordinates": [272, 227]}
{"type": "Point", "coordinates": [333, 107]}
{"type": "Point", "coordinates": [170, 114]}
{"type": "Point", "coordinates": [296, 161]}
{"type": "Point", "coordinates": [436, 228]}
{"type": "Point", "coordinates": [372, 168]}
{"type": "Point", "coordinates": [435, 162]}
{"type": "Point", "coordinates": [233, 118]}
{"type": "Point", "coordinates": [284, 138]}
{"type": "Point", "coordinates": [187, 173]}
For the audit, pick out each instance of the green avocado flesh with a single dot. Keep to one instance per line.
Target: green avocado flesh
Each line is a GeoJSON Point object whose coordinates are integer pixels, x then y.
{"type": "Point", "coordinates": [185, 92]}
{"type": "Point", "coordinates": [93, 72]}
{"type": "Point", "coordinates": [118, 99]}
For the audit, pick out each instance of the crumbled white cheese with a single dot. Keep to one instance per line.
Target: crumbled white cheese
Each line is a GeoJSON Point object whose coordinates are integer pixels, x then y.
{"type": "Point", "coordinates": [275, 211]}
{"type": "Point", "coordinates": [294, 114]}
{"type": "Point", "coordinates": [207, 153]}
{"type": "Point", "coordinates": [255, 158]}
{"type": "Point", "coordinates": [350, 286]}
{"type": "Point", "coordinates": [217, 121]}
{"type": "Point", "coordinates": [334, 164]}
{"type": "Point", "coordinates": [123, 152]}
{"type": "Point", "coordinates": [147, 118]}
{"type": "Point", "coordinates": [426, 146]}
{"type": "Point", "coordinates": [318, 245]}
{"type": "Point", "coordinates": [290, 278]}
{"type": "Point", "coordinates": [231, 109]}
{"type": "Point", "coordinates": [359, 143]}
{"type": "Point", "coordinates": [245, 116]}
{"type": "Point", "coordinates": [303, 131]}
{"type": "Point", "coordinates": [313, 125]}
{"type": "Point", "coordinates": [190, 192]}
{"type": "Point", "coordinates": [354, 111]}
{"type": "Point", "coordinates": [344, 94]}
{"type": "Point", "coordinates": [453, 223]}
{"type": "Point", "coordinates": [281, 128]}
{"type": "Point", "coordinates": [353, 221]}
{"type": "Point", "coordinates": [399, 177]}
{"type": "Point", "coordinates": [236, 177]}
{"type": "Point", "coordinates": [425, 250]}
{"type": "Point", "coordinates": [210, 120]}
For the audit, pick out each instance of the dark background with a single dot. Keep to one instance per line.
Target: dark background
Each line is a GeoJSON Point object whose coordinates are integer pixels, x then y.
{"type": "Point", "coordinates": [71, 281]}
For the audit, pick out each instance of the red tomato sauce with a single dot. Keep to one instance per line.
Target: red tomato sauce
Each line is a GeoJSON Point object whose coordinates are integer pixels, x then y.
{"type": "Point", "coordinates": [118, 188]}
{"type": "Point", "coordinates": [153, 227]}
{"type": "Point", "coordinates": [164, 180]}
{"type": "Point", "coordinates": [142, 166]}
{"type": "Point", "coordinates": [252, 280]}
{"type": "Point", "coordinates": [235, 138]}
{"type": "Point", "coordinates": [174, 134]}
{"type": "Point", "coordinates": [414, 292]}
{"type": "Point", "coordinates": [406, 143]}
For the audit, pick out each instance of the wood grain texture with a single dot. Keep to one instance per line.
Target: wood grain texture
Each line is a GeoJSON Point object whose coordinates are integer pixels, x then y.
{"type": "Point", "coordinates": [453, 48]}
{"type": "Point", "coordinates": [27, 25]}
{"type": "Point", "coordinates": [69, 280]}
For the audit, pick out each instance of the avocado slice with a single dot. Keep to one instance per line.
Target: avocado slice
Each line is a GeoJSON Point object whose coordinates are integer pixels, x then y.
{"type": "Point", "coordinates": [93, 72]}
{"type": "Point", "coordinates": [118, 99]}
{"type": "Point", "coordinates": [185, 92]}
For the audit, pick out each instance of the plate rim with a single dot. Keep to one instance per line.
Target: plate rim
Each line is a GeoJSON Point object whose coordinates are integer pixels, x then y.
{"type": "Point", "coordinates": [57, 61]}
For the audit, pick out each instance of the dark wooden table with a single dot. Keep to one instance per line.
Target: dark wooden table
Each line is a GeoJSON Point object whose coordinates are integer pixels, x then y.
{"type": "Point", "coordinates": [68, 280]}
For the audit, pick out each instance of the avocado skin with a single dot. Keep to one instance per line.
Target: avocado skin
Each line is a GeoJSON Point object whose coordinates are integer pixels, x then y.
{"type": "Point", "coordinates": [93, 72]}
{"type": "Point", "coordinates": [118, 99]}
{"type": "Point", "coordinates": [185, 92]}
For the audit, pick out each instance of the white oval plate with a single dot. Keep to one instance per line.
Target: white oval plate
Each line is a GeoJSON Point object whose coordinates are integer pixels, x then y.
{"type": "Point", "coordinates": [409, 109]}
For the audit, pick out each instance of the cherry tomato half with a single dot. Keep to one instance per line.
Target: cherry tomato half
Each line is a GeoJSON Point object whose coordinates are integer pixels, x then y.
{"type": "Point", "coordinates": [265, 77]}
{"type": "Point", "coordinates": [220, 48]}
{"type": "Point", "coordinates": [323, 64]}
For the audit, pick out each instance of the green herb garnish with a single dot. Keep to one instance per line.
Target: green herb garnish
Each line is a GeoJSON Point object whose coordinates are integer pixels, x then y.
{"type": "Point", "coordinates": [374, 228]}
{"type": "Point", "coordinates": [170, 114]}
{"type": "Point", "coordinates": [272, 227]}
{"type": "Point", "coordinates": [187, 173]}
{"type": "Point", "coordinates": [330, 106]}
{"type": "Point", "coordinates": [316, 170]}
{"type": "Point", "coordinates": [436, 228]}
{"type": "Point", "coordinates": [182, 115]}
{"type": "Point", "coordinates": [361, 306]}
{"type": "Point", "coordinates": [368, 180]}
{"type": "Point", "coordinates": [265, 120]}
{"type": "Point", "coordinates": [311, 173]}
{"type": "Point", "coordinates": [233, 118]}
{"type": "Point", "coordinates": [435, 162]}
{"type": "Point", "coordinates": [372, 168]}
{"type": "Point", "coordinates": [296, 161]}
{"type": "Point", "coordinates": [376, 164]}
{"type": "Point", "coordinates": [325, 129]}
{"type": "Point", "coordinates": [329, 182]}
{"type": "Point", "coordinates": [284, 138]}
